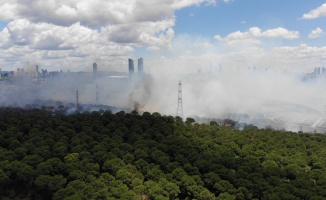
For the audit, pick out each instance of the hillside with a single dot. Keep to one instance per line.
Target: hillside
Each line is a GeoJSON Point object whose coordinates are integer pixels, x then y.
{"type": "Point", "coordinates": [101, 155]}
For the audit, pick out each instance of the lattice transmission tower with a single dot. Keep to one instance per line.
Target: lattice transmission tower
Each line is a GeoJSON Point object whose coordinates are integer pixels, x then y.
{"type": "Point", "coordinates": [179, 107]}
{"type": "Point", "coordinates": [77, 101]}
{"type": "Point", "coordinates": [97, 95]}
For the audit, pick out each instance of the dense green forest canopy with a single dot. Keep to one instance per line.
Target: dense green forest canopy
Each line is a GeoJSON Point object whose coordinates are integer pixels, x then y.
{"type": "Point", "coordinates": [100, 155]}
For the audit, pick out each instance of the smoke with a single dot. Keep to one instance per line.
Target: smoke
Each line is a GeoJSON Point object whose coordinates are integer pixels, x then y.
{"type": "Point", "coordinates": [210, 89]}
{"type": "Point", "coordinates": [280, 99]}
{"type": "Point", "coordinates": [215, 93]}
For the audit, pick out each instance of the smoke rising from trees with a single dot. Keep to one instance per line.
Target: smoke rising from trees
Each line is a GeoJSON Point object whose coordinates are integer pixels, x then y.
{"type": "Point", "coordinates": [213, 92]}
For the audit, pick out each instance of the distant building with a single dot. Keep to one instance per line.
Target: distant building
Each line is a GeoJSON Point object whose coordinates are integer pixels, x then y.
{"type": "Point", "coordinates": [6, 74]}
{"type": "Point", "coordinates": [37, 70]}
{"type": "Point", "coordinates": [94, 69]}
{"type": "Point", "coordinates": [317, 70]}
{"type": "Point", "coordinates": [131, 66]}
{"type": "Point", "coordinates": [220, 68]}
{"type": "Point", "coordinates": [141, 65]}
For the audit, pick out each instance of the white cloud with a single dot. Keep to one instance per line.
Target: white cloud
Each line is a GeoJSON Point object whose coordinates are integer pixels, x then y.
{"type": "Point", "coordinates": [184, 3]}
{"type": "Point", "coordinates": [75, 45]}
{"type": "Point", "coordinates": [251, 36]}
{"type": "Point", "coordinates": [191, 54]}
{"type": "Point", "coordinates": [318, 32]}
{"type": "Point", "coordinates": [280, 32]}
{"type": "Point", "coordinates": [7, 10]}
{"type": "Point", "coordinates": [93, 13]}
{"type": "Point", "coordinates": [158, 33]}
{"type": "Point", "coordinates": [76, 30]}
{"type": "Point", "coordinates": [316, 13]}
{"type": "Point", "coordinates": [4, 38]}
{"type": "Point", "coordinates": [44, 36]}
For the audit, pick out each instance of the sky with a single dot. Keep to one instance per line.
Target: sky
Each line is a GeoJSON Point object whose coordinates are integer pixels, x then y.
{"type": "Point", "coordinates": [173, 36]}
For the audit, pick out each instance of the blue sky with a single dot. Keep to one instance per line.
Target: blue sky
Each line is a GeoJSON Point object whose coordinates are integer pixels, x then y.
{"type": "Point", "coordinates": [240, 15]}
{"type": "Point", "coordinates": [205, 22]}
{"type": "Point", "coordinates": [224, 18]}
{"type": "Point", "coordinates": [74, 34]}
{"type": "Point", "coordinates": [3, 24]}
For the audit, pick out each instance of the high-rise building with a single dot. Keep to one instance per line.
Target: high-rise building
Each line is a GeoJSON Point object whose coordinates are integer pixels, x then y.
{"type": "Point", "coordinates": [37, 70]}
{"type": "Point", "coordinates": [317, 70]}
{"type": "Point", "coordinates": [131, 65]}
{"type": "Point", "coordinates": [141, 65]}
{"type": "Point", "coordinates": [94, 68]}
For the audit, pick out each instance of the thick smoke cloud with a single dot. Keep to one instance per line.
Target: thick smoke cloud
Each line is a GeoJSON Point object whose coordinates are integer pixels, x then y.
{"type": "Point", "coordinates": [280, 99]}
{"type": "Point", "coordinates": [212, 91]}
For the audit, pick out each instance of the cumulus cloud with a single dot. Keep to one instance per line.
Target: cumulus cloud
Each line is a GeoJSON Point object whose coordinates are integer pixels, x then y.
{"type": "Point", "coordinates": [184, 3]}
{"type": "Point", "coordinates": [83, 29]}
{"type": "Point", "coordinates": [316, 13]}
{"type": "Point", "coordinates": [92, 13]}
{"type": "Point", "coordinates": [318, 32]}
{"type": "Point", "coordinates": [4, 38]}
{"type": "Point", "coordinates": [280, 32]}
{"type": "Point", "coordinates": [251, 36]}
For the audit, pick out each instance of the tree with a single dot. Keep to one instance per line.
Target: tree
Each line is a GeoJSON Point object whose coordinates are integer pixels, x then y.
{"type": "Point", "coordinates": [225, 196]}
{"type": "Point", "coordinates": [33, 160]}
{"type": "Point", "coordinates": [113, 165]}
{"type": "Point", "coordinates": [153, 190]}
{"type": "Point", "coordinates": [76, 175]}
{"type": "Point", "coordinates": [189, 121]}
{"type": "Point", "coordinates": [72, 157]}
{"type": "Point", "coordinates": [229, 123]}
{"type": "Point", "coordinates": [4, 179]}
{"type": "Point", "coordinates": [23, 171]}
{"type": "Point", "coordinates": [51, 183]}
{"type": "Point", "coordinates": [124, 156]}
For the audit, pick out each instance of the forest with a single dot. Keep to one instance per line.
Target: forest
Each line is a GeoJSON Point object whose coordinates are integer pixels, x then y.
{"type": "Point", "coordinates": [105, 155]}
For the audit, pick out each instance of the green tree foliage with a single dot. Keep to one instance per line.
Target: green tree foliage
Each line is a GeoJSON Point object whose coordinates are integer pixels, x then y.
{"type": "Point", "coordinates": [101, 155]}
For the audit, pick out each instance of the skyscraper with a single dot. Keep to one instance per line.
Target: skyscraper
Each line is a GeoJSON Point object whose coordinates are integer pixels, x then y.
{"type": "Point", "coordinates": [141, 65]}
{"type": "Point", "coordinates": [37, 70]}
{"type": "Point", "coordinates": [131, 66]}
{"type": "Point", "coordinates": [94, 68]}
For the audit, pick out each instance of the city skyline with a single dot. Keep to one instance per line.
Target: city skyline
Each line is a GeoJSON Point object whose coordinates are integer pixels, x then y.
{"type": "Point", "coordinates": [172, 35]}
